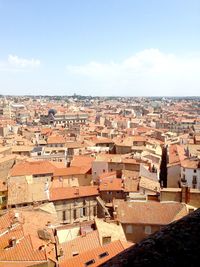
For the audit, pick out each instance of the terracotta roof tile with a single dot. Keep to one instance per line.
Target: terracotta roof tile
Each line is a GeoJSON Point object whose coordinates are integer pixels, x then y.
{"type": "Point", "coordinates": [81, 244]}
{"type": "Point", "coordinates": [149, 184]}
{"type": "Point", "coordinates": [23, 250]}
{"type": "Point", "coordinates": [56, 139]}
{"type": "Point", "coordinates": [68, 171]}
{"type": "Point", "coordinates": [111, 184]}
{"type": "Point", "coordinates": [149, 212]}
{"type": "Point", "coordinates": [107, 251]}
{"type": "Point", "coordinates": [33, 168]}
{"type": "Point", "coordinates": [79, 161]}
{"type": "Point", "coordinates": [59, 193]}
{"type": "Point", "coordinates": [190, 164]}
{"type": "Point", "coordinates": [176, 154]}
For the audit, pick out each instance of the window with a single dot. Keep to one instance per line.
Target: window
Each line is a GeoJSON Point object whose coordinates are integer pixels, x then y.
{"type": "Point", "coordinates": [183, 169]}
{"type": "Point", "coordinates": [129, 229]}
{"type": "Point", "coordinates": [84, 212]}
{"type": "Point", "coordinates": [74, 215]}
{"type": "Point", "coordinates": [104, 254]}
{"type": "Point", "coordinates": [90, 262]}
{"type": "Point", "coordinates": [94, 211]}
{"type": "Point", "coordinates": [195, 171]}
{"type": "Point", "coordinates": [147, 230]}
{"type": "Point", "coordinates": [194, 179]}
{"type": "Point", "coordinates": [64, 215]}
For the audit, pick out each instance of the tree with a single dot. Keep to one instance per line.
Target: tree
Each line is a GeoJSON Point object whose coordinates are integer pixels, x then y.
{"type": "Point", "coordinates": [163, 168]}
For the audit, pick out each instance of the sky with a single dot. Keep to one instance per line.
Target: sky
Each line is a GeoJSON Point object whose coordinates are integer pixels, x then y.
{"type": "Point", "coordinates": [100, 47]}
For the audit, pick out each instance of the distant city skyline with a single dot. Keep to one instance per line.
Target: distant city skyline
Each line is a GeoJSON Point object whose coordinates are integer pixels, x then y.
{"type": "Point", "coordinates": [97, 48]}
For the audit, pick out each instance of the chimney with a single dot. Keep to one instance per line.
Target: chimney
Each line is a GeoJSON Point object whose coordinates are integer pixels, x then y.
{"type": "Point", "coordinates": [48, 223]}
{"type": "Point", "coordinates": [12, 242]}
{"type": "Point", "coordinates": [16, 217]}
{"type": "Point", "coordinates": [83, 234]}
{"type": "Point", "coordinates": [61, 252]}
{"type": "Point", "coordinates": [115, 215]}
{"type": "Point", "coordinates": [77, 191]}
{"type": "Point", "coordinates": [185, 194]}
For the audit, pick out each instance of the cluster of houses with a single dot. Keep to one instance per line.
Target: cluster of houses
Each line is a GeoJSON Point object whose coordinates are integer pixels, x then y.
{"type": "Point", "coordinates": [80, 181]}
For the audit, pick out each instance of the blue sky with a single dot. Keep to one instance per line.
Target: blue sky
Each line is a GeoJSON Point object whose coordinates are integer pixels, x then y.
{"type": "Point", "coordinates": [100, 47]}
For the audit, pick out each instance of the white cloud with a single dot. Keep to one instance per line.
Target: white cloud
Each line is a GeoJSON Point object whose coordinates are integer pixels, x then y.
{"type": "Point", "coordinates": [15, 63]}
{"type": "Point", "coordinates": [23, 62]}
{"type": "Point", "coordinates": [149, 72]}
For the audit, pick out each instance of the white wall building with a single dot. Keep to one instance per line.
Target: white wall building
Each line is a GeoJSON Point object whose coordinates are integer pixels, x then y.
{"type": "Point", "coordinates": [190, 172]}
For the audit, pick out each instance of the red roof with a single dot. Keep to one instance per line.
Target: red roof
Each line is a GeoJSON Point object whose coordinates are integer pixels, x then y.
{"type": "Point", "coordinates": [46, 131]}
{"type": "Point", "coordinates": [59, 193]}
{"type": "Point", "coordinates": [33, 168]}
{"type": "Point", "coordinates": [56, 139]}
{"type": "Point", "coordinates": [79, 161]}
{"type": "Point", "coordinates": [71, 171]}
{"type": "Point", "coordinates": [152, 213]}
{"type": "Point", "coordinates": [113, 184]}
{"type": "Point", "coordinates": [97, 256]}
{"type": "Point", "coordinates": [23, 249]}
{"type": "Point", "coordinates": [176, 154]}
{"type": "Point", "coordinates": [81, 244]}
{"type": "Point", "coordinates": [5, 221]}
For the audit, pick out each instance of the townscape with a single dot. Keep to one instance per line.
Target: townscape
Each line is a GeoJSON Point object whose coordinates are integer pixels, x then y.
{"type": "Point", "coordinates": [83, 178]}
